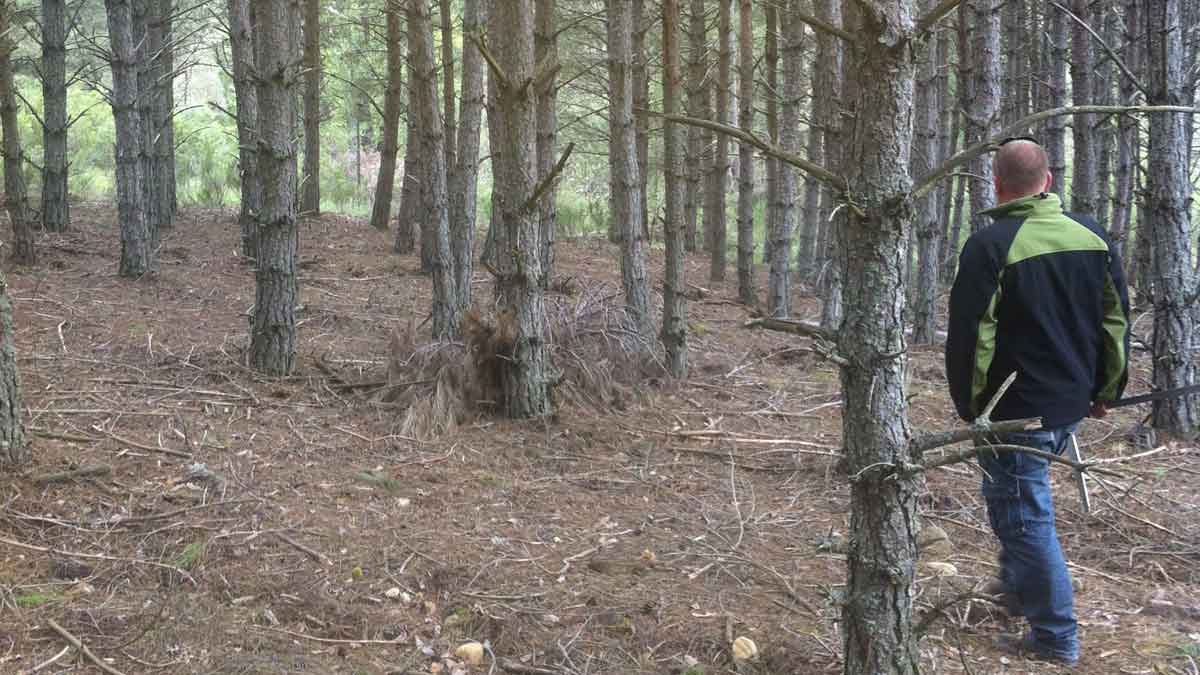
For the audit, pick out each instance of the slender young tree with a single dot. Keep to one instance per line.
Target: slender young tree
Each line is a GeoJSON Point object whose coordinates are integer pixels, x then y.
{"type": "Point", "coordinates": [1084, 192]}
{"type": "Point", "coordinates": [138, 253]}
{"type": "Point", "coordinates": [830, 239]}
{"type": "Point", "coordinates": [623, 168]}
{"type": "Point", "coordinates": [56, 211]}
{"type": "Point", "coordinates": [409, 212]}
{"type": "Point", "coordinates": [273, 325]}
{"type": "Point", "coordinates": [310, 194]}
{"type": "Point", "coordinates": [779, 293]}
{"type": "Point", "coordinates": [241, 55]}
{"type": "Point", "coordinates": [163, 113]}
{"type": "Point", "coordinates": [446, 316]}
{"type": "Point", "coordinates": [745, 209]}
{"type": "Point", "coordinates": [983, 114]}
{"type": "Point", "coordinates": [381, 209]}
{"type": "Point", "coordinates": [718, 177]}
{"type": "Point", "coordinates": [641, 106]}
{"type": "Point", "coordinates": [464, 180]}
{"type": "Point", "coordinates": [927, 225]}
{"type": "Point", "coordinates": [13, 448]}
{"type": "Point", "coordinates": [15, 199]}
{"type": "Point", "coordinates": [699, 105]}
{"type": "Point", "coordinates": [1168, 196]}
{"type": "Point", "coordinates": [446, 19]}
{"type": "Point", "coordinates": [147, 43]}
{"type": "Point", "coordinates": [947, 146]}
{"type": "Point", "coordinates": [1055, 133]}
{"type": "Point", "coordinates": [546, 47]}
{"type": "Point", "coordinates": [1127, 131]}
{"type": "Point", "coordinates": [527, 373]}
{"type": "Point", "coordinates": [771, 59]}
{"type": "Point", "coordinates": [674, 328]}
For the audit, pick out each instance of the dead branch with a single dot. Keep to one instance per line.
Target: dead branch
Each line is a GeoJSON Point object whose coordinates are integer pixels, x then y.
{"type": "Point", "coordinates": [78, 644]}
{"type": "Point", "coordinates": [96, 556]}
{"type": "Point", "coordinates": [1104, 45]}
{"type": "Point", "coordinates": [790, 326]}
{"type": "Point", "coordinates": [825, 26]}
{"type": "Point", "coordinates": [932, 441]}
{"type": "Point", "coordinates": [927, 22]}
{"type": "Point", "coordinates": [549, 179]}
{"type": "Point", "coordinates": [314, 554]}
{"type": "Point", "coordinates": [971, 453]}
{"type": "Point", "coordinates": [150, 448]}
{"type": "Point", "coordinates": [81, 472]}
{"type": "Point", "coordinates": [510, 666]}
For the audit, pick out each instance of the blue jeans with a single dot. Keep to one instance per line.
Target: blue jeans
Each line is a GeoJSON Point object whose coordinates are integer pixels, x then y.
{"type": "Point", "coordinates": [1020, 508]}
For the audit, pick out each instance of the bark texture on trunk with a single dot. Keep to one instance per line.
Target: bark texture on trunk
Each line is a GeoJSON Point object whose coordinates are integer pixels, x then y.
{"type": "Point", "coordinates": [745, 209]}
{"type": "Point", "coordinates": [13, 448]}
{"type": "Point", "coordinates": [771, 59]}
{"type": "Point", "coordinates": [381, 209]}
{"type": "Point", "coordinates": [1168, 198]}
{"type": "Point", "coordinates": [241, 53]}
{"type": "Point", "coordinates": [927, 226]}
{"type": "Point", "coordinates": [526, 377]}
{"type": "Point", "coordinates": [1056, 130]}
{"type": "Point", "coordinates": [1128, 149]}
{"type": "Point", "coordinates": [310, 194]}
{"type": "Point", "coordinates": [1084, 197]}
{"type": "Point", "coordinates": [56, 211]}
{"type": "Point", "coordinates": [877, 614]}
{"type": "Point", "coordinates": [464, 181]}
{"type": "Point", "coordinates": [699, 105]}
{"type": "Point", "coordinates": [164, 115]}
{"type": "Point", "coordinates": [830, 240]}
{"type": "Point", "coordinates": [674, 321]}
{"type": "Point", "coordinates": [947, 146]}
{"type": "Point", "coordinates": [446, 18]}
{"type": "Point", "coordinates": [641, 103]}
{"type": "Point", "coordinates": [718, 177]}
{"type": "Point", "coordinates": [408, 213]}
{"type": "Point", "coordinates": [273, 327]}
{"type": "Point", "coordinates": [138, 254]}
{"type": "Point", "coordinates": [983, 114]}
{"type": "Point", "coordinates": [779, 279]}
{"type": "Point", "coordinates": [446, 315]}
{"type": "Point", "coordinates": [16, 201]}
{"type": "Point", "coordinates": [821, 109]}
{"type": "Point", "coordinates": [146, 40]}
{"type": "Point", "coordinates": [623, 167]}
{"type": "Point", "coordinates": [546, 47]}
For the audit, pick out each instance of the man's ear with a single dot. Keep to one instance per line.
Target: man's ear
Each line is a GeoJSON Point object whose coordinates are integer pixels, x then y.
{"type": "Point", "coordinates": [1049, 182]}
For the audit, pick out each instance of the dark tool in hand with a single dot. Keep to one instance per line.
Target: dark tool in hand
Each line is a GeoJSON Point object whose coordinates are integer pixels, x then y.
{"type": "Point", "coordinates": [1074, 454]}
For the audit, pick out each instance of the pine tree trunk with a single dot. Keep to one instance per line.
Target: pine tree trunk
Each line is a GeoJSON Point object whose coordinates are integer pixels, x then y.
{"type": "Point", "coordinates": [408, 213]}
{"type": "Point", "coordinates": [526, 389]}
{"type": "Point", "coordinates": [718, 177]}
{"type": "Point", "coordinates": [310, 200]}
{"type": "Point", "coordinates": [1104, 131]}
{"type": "Point", "coordinates": [779, 294]}
{"type": "Point", "coordinates": [13, 448]}
{"type": "Point", "coordinates": [745, 208]}
{"type": "Point", "coordinates": [446, 19]}
{"type": "Point", "coordinates": [137, 250]}
{"type": "Point", "coordinates": [163, 114]}
{"type": "Point", "coordinates": [465, 178]}
{"type": "Point", "coordinates": [812, 228]}
{"type": "Point", "coordinates": [1056, 134]}
{"type": "Point", "coordinates": [1084, 196]}
{"type": "Point", "coordinates": [546, 46]}
{"type": "Point", "coordinates": [674, 328]}
{"type": "Point", "coordinates": [145, 38]}
{"type": "Point", "coordinates": [830, 240]}
{"type": "Point", "coordinates": [877, 614]}
{"type": "Point", "coordinates": [947, 146]}
{"type": "Point", "coordinates": [771, 58]}
{"type": "Point", "coordinates": [641, 103]}
{"type": "Point", "coordinates": [982, 114]}
{"type": "Point", "coordinates": [1168, 197]}
{"type": "Point", "coordinates": [273, 329]}
{"type": "Point", "coordinates": [241, 49]}
{"type": "Point", "coordinates": [927, 226]}
{"type": "Point", "coordinates": [56, 210]}
{"type": "Point", "coordinates": [381, 209]}
{"type": "Point", "coordinates": [15, 199]}
{"type": "Point", "coordinates": [424, 82]}
{"type": "Point", "coordinates": [623, 168]}
{"type": "Point", "coordinates": [699, 105]}
{"type": "Point", "coordinates": [1127, 132]}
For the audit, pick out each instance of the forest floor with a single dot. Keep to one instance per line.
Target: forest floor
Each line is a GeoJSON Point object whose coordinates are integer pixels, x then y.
{"type": "Point", "coordinates": [637, 531]}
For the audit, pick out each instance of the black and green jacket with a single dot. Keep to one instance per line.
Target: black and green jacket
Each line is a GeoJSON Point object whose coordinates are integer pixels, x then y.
{"type": "Point", "coordinates": [1039, 292]}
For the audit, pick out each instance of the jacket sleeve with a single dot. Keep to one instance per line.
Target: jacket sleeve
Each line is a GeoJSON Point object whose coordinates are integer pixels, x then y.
{"type": "Point", "coordinates": [971, 331]}
{"type": "Point", "coordinates": [1113, 367]}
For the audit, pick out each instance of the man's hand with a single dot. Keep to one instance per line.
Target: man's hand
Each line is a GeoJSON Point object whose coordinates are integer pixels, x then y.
{"type": "Point", "coordinates": [1099, 410]}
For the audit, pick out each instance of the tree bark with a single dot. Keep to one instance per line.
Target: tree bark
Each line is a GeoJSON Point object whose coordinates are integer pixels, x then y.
{"type": "Point", "coordinates": [641, 103]}
{"type": "Point", "coordinates": [982, 114]}
{"type": "Point", "coordinates": [1168, 197]}
{"type": "Point", "coordinates": [1104, 130]}
{"type": "Point", "coordinates": [771, 59]}
{"type": "Point", "coordinates": [163, 114]}
{"type": "Point", "coordinates": [1084, 196]}
{"type": "Point", "coordinates": [241, 48]}
{"type": "Point", "coordinates": [947, 146]}
{"type": "Point", "coordinates": [1127, 132]}
{"type": "Point", "coordinates": [310, 199]}
{"type": "Point", "coordinates": [381, 209]}
{"type": "Point", "coordinates": [745, 209]}
{"type": "Point", "coordinates": [829, 240]}
{"type": "Point", "coordinates": [408, 214]}
{"type": "Point", "coordinates": [714, 207]}
{"type": "Point", "coordinates": [13, 448]}
{"type": "Point", "coordinates": [138, 254]}
{"type": "Point", "coordinates": [147, 43]}
{"type": "Point", "coordinates": [546, 47]}
{"type": "Point", "coordinates": [699, 105]}
{"type": "Point", "coordinates": [15, 199]}
{"type": "Point", "coordinates": [446, 19]}
{"type": "Point", "coordinates": [925, 158]}
{"type": "Point", "coordinates": [1056, 146]}
{"type": "Point", "coordinates": [623, 168]}
{"type": "Point", "coordinates": [779, 280]}
{"type": "Point", "coordinates": [56, 210]}
{"type": "Point", "coordinates": [273, 329]}
{"type": "Point", "coordinates": [526, 375]}
{"type": "Point", "coordinates": [446, 316]}
{"type": "Point", "coordinates": [464, 181]}
{"type": "Point", "coordinates": [674, 327]}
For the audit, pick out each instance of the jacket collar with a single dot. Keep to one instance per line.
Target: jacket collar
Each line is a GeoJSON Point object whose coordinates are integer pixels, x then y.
{"type": "Point", "coordinates": [1044, 203]}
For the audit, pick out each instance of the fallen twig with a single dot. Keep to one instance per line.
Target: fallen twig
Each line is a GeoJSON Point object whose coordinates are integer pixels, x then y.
{"type": "Point", "coordinates": [96, 556]}
{"type": "Point", "coordinates": [510, 666]}
{"type": "Point", "coordinates": [78, 644]}
{"type": "Point", "coordinates": [330, 641]}
{"type": "Point", "coordinates": [312, 553]}
{"type": "Point", "coordinates": [81, 472]}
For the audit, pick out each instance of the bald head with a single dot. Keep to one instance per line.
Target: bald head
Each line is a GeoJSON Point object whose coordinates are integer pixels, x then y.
{"type": "Point", "coordinates": [1021, 169]}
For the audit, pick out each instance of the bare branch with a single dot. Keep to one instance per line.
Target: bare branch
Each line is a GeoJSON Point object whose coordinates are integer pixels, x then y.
{"type": "Point", "coordinates": [1104, 45]}
{"type": "Point", "coordinates": [927, 22]}
{"type": "Point", "coordinates": [549, 179]}
{"type": "Point", "coordinates": [787, 326]}
{"type": "Point", "coordinates": [824, 26]}
{"type": "Point", "coordinates": [932, 441]}
{"type": "Point", "coordinates": [502, 80]}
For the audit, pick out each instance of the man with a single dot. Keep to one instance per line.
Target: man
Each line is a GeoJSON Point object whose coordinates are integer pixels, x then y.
{"type": "Point", "coordinates": [1040, 292]}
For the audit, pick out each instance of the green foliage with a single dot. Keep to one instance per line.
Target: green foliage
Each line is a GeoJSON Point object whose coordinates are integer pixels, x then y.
{"type": "Point", "coordinates": [206, 164]}
{"type": "Point", "coordinates": [190, 556]}
{"type": "Point", "coordinates": [35, 599]}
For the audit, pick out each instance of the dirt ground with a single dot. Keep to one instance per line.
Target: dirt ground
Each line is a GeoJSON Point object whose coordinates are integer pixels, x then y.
{"type": "Point", "coordinates": [639, 530]}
